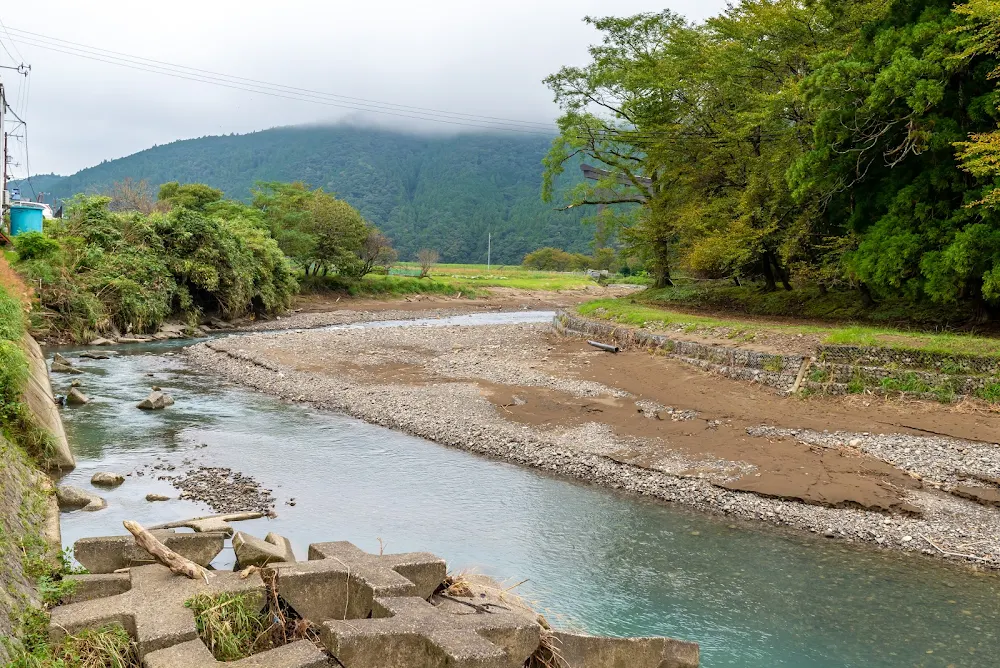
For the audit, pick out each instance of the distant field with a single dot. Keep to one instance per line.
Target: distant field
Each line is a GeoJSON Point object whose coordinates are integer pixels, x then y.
{"type": "Point", "coordinates": [467, 280]}
{"type": "Point", "coordinates": [475, 276]}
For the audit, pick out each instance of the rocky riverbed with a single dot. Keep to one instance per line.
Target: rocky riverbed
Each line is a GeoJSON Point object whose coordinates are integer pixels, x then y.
{"type": "Point", "coordinates": [648, 425]}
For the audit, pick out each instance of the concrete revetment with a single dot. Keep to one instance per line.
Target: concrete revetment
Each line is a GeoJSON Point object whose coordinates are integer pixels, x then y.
{"type": "Point", "coordinates": [372, 611]}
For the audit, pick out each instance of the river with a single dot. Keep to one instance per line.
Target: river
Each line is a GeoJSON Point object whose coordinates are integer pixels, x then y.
{"type": "Point", "coordinates": [594, 560]}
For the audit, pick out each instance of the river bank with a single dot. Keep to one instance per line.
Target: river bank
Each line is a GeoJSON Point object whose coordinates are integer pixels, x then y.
{"type": "Point", "coordinates": [647, 425]}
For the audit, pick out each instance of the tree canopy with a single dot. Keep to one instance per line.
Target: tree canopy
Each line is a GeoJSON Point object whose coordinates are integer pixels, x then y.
{"type": "Point", "coordinates": [843, 143]}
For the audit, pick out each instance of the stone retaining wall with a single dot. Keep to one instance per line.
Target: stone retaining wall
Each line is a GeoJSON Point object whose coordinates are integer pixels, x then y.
{"type": "Point", "coordinates": [835, 369]}
{"type": "Point", "coordinates": [778, 371]}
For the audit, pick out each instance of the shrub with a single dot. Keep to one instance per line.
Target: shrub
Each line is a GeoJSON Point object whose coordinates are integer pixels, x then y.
{"type": "Point", "coordinates": [32, 245]}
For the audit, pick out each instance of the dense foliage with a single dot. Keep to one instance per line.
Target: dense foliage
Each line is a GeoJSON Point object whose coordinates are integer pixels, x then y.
{"type": "Point", "coordinates": [441, 192]}
{"type": "Point", "coordinates": [318, 231]}
{"type": "Point", "coordinates": [836, 143]}
{"type": "Point", "coordinates": [97, 271]}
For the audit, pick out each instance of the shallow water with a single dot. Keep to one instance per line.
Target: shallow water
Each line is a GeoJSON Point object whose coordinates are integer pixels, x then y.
{"type": "Point", "coordinates": [594, 559]}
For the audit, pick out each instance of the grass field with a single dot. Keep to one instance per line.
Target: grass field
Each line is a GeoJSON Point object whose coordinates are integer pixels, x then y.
{"type": "Point", "coordinates": [472, 276]}
{"type": "Point", "coordinates": [630, 312]}
{"type": "Point", "coordinates": [467, 280]}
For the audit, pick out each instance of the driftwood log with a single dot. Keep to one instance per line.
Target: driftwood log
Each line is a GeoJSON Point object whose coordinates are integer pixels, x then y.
{"type": "Point", "coordinates": [176, 563]}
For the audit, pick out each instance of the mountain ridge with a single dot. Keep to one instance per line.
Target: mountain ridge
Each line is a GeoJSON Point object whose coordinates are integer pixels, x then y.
{"type": "Point", "coordinates": [444, 192]}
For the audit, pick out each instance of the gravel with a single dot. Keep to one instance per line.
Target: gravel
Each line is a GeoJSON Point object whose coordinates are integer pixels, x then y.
{"type": "Point", "coordinates": [456, 414]}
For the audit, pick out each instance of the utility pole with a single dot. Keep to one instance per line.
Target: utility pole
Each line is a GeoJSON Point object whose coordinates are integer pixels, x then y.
{"type": "Point", "coordinates": [489, 249]}
{"type": "Point", "coordinates": [3, 138]}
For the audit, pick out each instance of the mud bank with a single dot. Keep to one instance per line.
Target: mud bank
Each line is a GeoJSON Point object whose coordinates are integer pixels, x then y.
{"type": "Point", "coordinates": [639, 423]}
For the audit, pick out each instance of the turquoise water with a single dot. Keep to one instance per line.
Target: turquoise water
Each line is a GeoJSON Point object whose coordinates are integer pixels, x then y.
{"type": "Point", "coordinates": [594, 559]}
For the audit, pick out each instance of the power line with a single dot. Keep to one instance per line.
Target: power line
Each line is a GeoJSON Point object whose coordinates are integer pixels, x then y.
{"type": "Point", "coordinates": [20, 57]}
{"type": "Point", "coordinates": [277, 90]}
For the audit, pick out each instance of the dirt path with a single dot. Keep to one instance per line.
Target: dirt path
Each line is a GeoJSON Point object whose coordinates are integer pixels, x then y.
{"type": "Point", "coordinates": [877, 472]}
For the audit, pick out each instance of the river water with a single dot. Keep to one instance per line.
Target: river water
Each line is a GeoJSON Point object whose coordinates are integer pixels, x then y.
{"type": "Point", "coordinates": [594, 560]}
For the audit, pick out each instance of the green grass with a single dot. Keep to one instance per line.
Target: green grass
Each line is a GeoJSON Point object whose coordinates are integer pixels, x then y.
{"type": "Point", "coordinates": [641, 313]}
{"type": "Point", "coordinates": [231, 625]}
{"type": "Point", "coordinates": [451, 280]}
{"type": "Point", "coordinates": [108, 647]}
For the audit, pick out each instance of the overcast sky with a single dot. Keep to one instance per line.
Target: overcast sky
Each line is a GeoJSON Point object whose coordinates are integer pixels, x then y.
{"type": "Point", "coordinates": [468, 56]}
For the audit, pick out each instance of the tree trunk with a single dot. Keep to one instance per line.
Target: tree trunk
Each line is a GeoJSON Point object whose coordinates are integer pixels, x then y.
{"type": "Point", "coordinates": [782, 274]}
{"type": "Point", "coordinates": [866, 296]}
{"type": "Point", "coordinates": [769, 284]}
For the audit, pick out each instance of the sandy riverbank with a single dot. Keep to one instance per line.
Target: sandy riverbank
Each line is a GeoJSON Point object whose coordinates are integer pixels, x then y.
{"type": "Point", "coordinates": [649, 425]}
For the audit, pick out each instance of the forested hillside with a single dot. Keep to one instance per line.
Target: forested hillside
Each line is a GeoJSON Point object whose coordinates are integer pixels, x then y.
{"type": "Point", "coordinates": [444, 193]}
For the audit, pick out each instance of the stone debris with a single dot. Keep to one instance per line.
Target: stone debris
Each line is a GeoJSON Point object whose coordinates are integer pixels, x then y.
{"type": "Point", "coordinates": [580, 651]}
{"type": "Point", "coordinates": [74, 498]}
{"type": "Point", "coordinates": [76, 398]}
{"type": "Point", "coordinates": [252, 551]}
{"type": "Point", "coordinates": [107, 479]}
{"type": "Point", "coordinates": [224, 490]}
{"type": "Point", "coordinates": [152, 608]}
{"type": "Point", "coordinates": [107, 554]}
{"type": "Point", "coordinates": [299, 654]}
{"type": "Point", "coordinates": [340, 580]}
{"type": "Point", "coordinates": [155, 401]}
{"type": "Point", "coordinates": [408, 632]}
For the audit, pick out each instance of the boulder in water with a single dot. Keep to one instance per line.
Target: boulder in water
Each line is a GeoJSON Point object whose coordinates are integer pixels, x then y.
{"type": "Point", "coordinates": [72, 498]}
{"type": "Point", "coordinates": [100, 341]}
{"type": "Point", "coordinates": [157, 497]}
{"type": "Point", "coordinates": [60, 367]}
{"type": "Point", "coordinates": [94, 356]}
{"type": "Point", "coordinates": [155, 401]}
{"type": "Point", "coordinates": [76, 397]}
{"type": "Point", "coordinates": [106, 479]}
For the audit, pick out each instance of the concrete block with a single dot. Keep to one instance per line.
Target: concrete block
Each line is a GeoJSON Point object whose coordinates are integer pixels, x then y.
{"type": "Point", "coordinates": [582, 651]}
{"type": "Point", "coordinates": [282, 544]}
{"type": "Point", "coordinates": [341, 581]}
{"type": "Point", "coordinates": [194, 654]}
{"type": "Point", "coordinates": [107, 554]}
{"type": "Point", "coordinates": [89, 587]}
{"type": "Point", "coordinates": [411, 633]}
{"type": "Point", "coordinates": [152, 609]}
{"type": "Point", "coordinates": [211, 523]}
{"type": "Point", "coordinates": [252, 551]}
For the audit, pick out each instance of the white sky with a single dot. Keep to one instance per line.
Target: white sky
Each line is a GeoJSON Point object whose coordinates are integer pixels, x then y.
{"type": "Point", "coordinates": [473, 56]}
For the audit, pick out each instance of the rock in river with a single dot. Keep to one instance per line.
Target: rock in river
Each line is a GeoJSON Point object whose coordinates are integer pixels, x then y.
{"type": "Point", "coordinates": [71, 498]}
{"type": "Point", "coordinates": [60, 367]}
{"type": "Point", "coordinates": [106, 479]}
{"type": "Point", "coordinates": [155, 401]}
{"type": "Point", "coordinates": [76, 397]}
{"type": "Point", "coordinates": [157, 497]}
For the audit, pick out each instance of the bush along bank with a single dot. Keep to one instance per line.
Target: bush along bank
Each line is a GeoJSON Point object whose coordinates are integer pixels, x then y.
{"type": "Point", "coordinates": [30, 567]}
{"type": "Point", "coordinates": [101, 272]}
